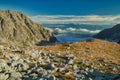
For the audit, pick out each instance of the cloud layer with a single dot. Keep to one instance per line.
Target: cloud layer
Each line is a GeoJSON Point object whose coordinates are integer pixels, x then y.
{"type": "Point", "coordinates": [88, 19]}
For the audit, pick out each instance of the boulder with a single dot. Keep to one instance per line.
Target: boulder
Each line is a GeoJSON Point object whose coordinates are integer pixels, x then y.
{"type": "Point", "coordinates": [3, 76]}
{"type": "Point", "coordinates": [50, 66]}
{"type": "Point", "coordinates": [49, 77]}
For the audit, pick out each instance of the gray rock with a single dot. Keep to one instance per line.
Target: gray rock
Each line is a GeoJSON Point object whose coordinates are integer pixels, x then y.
{"type": "Point", "coordinates": [49, 77]}
{"type": "Point", "coordinates": [3, 76]}
{"type": "Point", "coordinates": [75, 67]}
{"type": "Point", "coordinates": [34, 75]}
{"type": "Point", "coordinates": [91, 70]}
{"type": "Point", "coordinates": [18, 79]}
{"type": "Point", "coordinates": [25, 66]}
{"type": "Point", "coordinates": [71, 61]}
{"type": "Point", "coordinates": [50, 66]}
{"type": "Point", "coordinates": [16, 74]}
{"type": "Point", "coordinates": [3, 64]}
{"type": "Point", "coordinates": [12, 78]}
{"type": "Point", "coordinates": [99, 78]}
{"type": "Point", "coordinates": [1, 47]}
{"type": "Point", "coordinates": [69, 56]}
{"type": "Point", "coordinates": [90, 79]}
{"type": "Point", "coordinates": [87, 69]}
{"type": "Point", "coordinates": [19, 67]}
{"type": "Point", "coordinates": [60, 69]}
{"type": "Point", "coordinates": [29, 78]}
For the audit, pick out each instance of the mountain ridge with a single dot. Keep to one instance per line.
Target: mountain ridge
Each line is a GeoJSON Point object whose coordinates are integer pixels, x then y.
{"type": "Point", "coordinates": [16, 28]}
{"type": "Point", "coordinates": [111, 34]}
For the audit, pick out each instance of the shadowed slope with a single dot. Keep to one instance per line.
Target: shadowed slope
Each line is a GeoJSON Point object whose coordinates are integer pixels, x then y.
{"type": "Point", "coordinates": [110, 34]}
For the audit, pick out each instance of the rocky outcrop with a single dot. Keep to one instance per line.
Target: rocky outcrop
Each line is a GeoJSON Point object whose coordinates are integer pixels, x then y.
{"type": "Point", "coordinates": [112, 34]}
{"type": "Point", "coordinates": [16, 28]}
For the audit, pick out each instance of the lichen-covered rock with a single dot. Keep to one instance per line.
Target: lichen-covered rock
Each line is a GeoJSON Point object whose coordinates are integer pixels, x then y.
{"type": "Point", "coordinates": [3, 76]}
{"type": "Point", "coordinates": [18, 29]}
{"type": "Point", "coordinates": [16, 74]}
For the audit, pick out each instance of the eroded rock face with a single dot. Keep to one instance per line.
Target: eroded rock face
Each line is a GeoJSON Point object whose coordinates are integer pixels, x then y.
{"type": "Point", "coordinates": [16, 28]}
{"type": "Point", "coordinates": [110, 34]}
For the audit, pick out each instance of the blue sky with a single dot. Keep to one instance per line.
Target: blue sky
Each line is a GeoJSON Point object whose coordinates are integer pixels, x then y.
{"type": "Point", "coordinates": [63, 7]}
{"type": "Point", "coordinates": [99, 9]}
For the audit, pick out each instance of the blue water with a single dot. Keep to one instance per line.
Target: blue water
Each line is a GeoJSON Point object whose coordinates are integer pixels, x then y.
{"type": "Point", "coordinates": [68, 38]}
{"type": "Point", "coordinates": [74, 32]}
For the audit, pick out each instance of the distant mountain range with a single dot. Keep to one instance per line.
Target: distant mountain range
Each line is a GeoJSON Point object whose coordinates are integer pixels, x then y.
{"type": "Point", "coordinates": [88, 26]}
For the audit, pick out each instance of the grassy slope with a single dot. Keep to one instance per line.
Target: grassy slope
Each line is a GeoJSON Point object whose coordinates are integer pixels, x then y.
{"type": "Point", "coordinates": [99, 54]}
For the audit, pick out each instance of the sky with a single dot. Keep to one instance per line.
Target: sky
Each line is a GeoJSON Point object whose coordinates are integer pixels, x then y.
{"type": "Point", "coordinates": [67, 11]}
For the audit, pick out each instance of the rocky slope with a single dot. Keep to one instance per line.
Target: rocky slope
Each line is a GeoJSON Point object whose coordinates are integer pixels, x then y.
{"type": "Point", "coordinates": [16, 28]}
{"type": "Point", "coordinates": [110, 34]}
{"type": "Point", "coordinates": [87, 60]}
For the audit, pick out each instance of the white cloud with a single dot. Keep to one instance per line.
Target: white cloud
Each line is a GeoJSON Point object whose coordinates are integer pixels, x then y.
{"type": "Point", "coordinates": [88, 19]}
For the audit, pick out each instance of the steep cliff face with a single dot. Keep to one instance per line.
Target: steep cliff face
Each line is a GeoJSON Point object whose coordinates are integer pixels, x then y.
{"type": "Point", "coordinates": [18, 29]}
{"type": "Point", "coordinates": [110, 34]}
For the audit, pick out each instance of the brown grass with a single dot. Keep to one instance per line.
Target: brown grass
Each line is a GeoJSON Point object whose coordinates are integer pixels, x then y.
{"type": "Point", "coordinates": [91, 52]}
{"type": "Point", "coordinates": [88, 51]}
{"type": "Point", "coordinates": [69, 77]}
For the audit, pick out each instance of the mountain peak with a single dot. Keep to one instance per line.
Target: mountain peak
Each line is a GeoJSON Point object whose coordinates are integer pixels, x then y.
{"type": "Point", "coordinates": [16, 28]}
